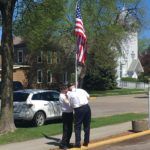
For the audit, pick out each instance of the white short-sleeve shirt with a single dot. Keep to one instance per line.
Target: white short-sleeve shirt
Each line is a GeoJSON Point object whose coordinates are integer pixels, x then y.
{"type": "Point", "coordinates": [65, 104]}
{"type": "Point", "coordinates": [78, 97]}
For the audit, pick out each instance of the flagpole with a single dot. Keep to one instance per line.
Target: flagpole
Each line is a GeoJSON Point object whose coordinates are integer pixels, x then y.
{"type": "Point", "coordinates": [76, 71]}
{"type": "Point", "coordinates": [76, 65]}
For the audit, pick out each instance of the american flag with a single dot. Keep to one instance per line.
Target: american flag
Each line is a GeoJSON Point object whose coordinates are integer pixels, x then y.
{"type": "Point", "coordinates": [81, 37]}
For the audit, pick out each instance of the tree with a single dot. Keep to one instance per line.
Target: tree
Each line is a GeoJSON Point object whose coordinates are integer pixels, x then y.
{"type": "Point", "coordinates": [145, 61]}
{"type": "Point", "coordinates": [7, 8]}
{"type": "Point", "coordinates": [143, 45]}
{"type": "Point", "coordinates": [6, 115]}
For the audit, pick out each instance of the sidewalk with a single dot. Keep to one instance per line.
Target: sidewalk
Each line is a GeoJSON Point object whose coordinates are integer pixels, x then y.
{"type": "Point", "coordinates": [47, 143]}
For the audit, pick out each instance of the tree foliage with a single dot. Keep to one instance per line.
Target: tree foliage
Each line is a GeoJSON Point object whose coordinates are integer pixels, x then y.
{"type": "Point", "coordinates": [143, 45]}
{"type": "Point", "coordinates": [39, 24]}
{"type": "Point", "coordinates": [145, 61]}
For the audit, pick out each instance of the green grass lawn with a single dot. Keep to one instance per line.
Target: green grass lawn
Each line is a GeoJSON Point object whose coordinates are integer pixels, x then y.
{"type": "Point", "coordinates": [28, 133]}
{"type": "Point", "coordinates": [117, 92]}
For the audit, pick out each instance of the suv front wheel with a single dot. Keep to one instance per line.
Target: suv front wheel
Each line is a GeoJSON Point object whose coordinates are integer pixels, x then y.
{"type": "Point", "coordinates": [39, 119]}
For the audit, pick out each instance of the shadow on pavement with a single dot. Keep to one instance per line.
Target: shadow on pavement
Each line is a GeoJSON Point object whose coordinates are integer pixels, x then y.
{"type": "Point", "coordinates": [142, 97]}
{"type": "Point", "coordinates": [55, 142]}
{"type": "Point", "coordinates": [52, 138]}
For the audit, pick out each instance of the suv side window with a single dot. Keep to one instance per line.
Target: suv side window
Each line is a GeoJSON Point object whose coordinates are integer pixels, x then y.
{"type": "Point", "coordinates": [47, 96]}
{"type": "Point", "coordinates": [52, 96]}
{"type": "Point", "coordinates": [37, 96]}
{"type": "Point", "coordinates": [20, 97]}
{"type": "Point", "coordinates": [40, 96]}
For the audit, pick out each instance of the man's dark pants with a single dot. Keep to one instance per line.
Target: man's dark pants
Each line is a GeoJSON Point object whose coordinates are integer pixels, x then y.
{"type": "Point", "coordinates": [82, 115]}
{"type": "Point", "coordinates": [67, 119]}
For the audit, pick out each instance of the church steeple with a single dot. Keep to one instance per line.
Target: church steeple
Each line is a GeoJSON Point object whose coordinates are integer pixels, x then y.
{"type": "Point", "coordinates": [127, 19]}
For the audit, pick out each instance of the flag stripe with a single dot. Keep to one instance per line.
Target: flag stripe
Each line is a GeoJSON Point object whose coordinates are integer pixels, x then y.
{"type": "Point", "coordinates": [81, 37]}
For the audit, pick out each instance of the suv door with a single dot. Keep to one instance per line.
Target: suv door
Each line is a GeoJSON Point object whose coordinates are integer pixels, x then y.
{"type": "Point", "coordinates": [42, 101]}
{"type": "Point", "coordinates": [53, 98]}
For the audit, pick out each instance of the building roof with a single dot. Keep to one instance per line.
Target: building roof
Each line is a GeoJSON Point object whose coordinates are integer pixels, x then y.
{"type": "Point", "coordinates": [17, 67]}
{"type": "Point", "coordinates": [135, 66]}
{"type": "Point", "coordinates": [17, 40]}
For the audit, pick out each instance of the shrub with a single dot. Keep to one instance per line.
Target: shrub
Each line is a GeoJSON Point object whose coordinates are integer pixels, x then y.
{"type": "Point", "coordinates": [129, 79]}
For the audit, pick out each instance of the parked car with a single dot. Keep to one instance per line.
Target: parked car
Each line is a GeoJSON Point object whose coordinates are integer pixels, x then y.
{"type": "Point", "coordinates": [36, 105]}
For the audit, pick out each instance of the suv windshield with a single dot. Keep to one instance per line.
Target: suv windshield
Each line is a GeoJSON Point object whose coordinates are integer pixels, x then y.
{"type": "Point", "coordinates": [20, 97]}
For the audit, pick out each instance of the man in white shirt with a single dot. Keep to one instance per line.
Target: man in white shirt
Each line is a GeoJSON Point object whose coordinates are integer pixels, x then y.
{"type": "Point", "coordinates": [82, 113]}
{"type": "Point", "coordinates": [67, 117]}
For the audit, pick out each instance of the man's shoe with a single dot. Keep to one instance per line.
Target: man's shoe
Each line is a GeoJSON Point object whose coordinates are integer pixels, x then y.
{"type": "Point", "coordinates": [70, 145]}
{"type": "Point", "coordinates": [63, 147]}
{"type": "Point", "coordinates": [77, 146]}
{"type": "Point", "coordinates": [85, 144]}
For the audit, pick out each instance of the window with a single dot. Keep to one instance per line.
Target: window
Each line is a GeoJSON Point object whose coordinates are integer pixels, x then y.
{"type": "Point", "coordinates": [53, 96]}
{"type": "Point", "coordinates": [20, 56]}
{"type": "Point", "coordinates": [39, 57]}
{"type": "Point", "coordinates": [54, 57]}
{"type": "Point", "coordinates": [46, 96]}
{"type": "Point", "coordinates": [49, 59]}
{"type": "Point", "coordinates": [20, 97]}
{"type": "Point", "coordinates": [39, 76]}
{"type": "Point", "coordinates": [37, 96]}
{"type": "Point", "coordinates": [49, 76]}
{"type": "Point", "coordinates": [65, 77]}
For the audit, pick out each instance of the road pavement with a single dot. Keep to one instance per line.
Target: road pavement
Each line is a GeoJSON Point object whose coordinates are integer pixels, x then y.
{"type": "Point", "coordinates": [111, 105]}
{"type": "Point", "coordinates": [101, 106]}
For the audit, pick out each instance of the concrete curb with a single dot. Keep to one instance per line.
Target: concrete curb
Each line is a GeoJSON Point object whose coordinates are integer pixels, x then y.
{"type": "Point", "coordinates": [114, 140]}
{"type": "Point", "coordinates": [92, 98]}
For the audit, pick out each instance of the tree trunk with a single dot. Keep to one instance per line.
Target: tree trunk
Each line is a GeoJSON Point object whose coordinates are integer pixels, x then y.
{"type": "Point", "coordinates": [6, 114]}
{"type": "Point", "coordinates": [81, 76]}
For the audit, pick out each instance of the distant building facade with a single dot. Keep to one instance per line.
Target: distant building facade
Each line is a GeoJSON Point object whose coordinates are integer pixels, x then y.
{"type": "Point", "coordinates": [35, 71]}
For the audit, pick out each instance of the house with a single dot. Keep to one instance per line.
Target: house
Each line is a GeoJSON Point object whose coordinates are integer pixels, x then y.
{"type": "Point", "coordinates": [36, 70]}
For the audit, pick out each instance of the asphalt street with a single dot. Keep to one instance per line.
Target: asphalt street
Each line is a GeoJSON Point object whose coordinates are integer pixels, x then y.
{"type": "Point", "coordinates": [111, 105]}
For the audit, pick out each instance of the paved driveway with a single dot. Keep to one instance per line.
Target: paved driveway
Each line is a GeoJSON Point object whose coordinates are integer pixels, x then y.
{"type": "Point", "coordinates": [111, 105]}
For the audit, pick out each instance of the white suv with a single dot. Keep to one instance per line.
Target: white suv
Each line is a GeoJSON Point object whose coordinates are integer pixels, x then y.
{"type": "Point", "coordinates": [36, 105]}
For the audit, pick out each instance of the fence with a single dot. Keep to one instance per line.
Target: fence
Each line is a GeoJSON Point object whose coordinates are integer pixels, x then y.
{"type": "Point", "coordinates": [132, 85]}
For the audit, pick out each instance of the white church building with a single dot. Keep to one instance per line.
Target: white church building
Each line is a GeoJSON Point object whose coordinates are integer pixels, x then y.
{"type": "Point", "coordinates": [128, 64]}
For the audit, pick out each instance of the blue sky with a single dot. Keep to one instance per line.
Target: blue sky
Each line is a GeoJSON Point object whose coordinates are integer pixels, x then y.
{"type": "Point", "coordinates": [145, 31]}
